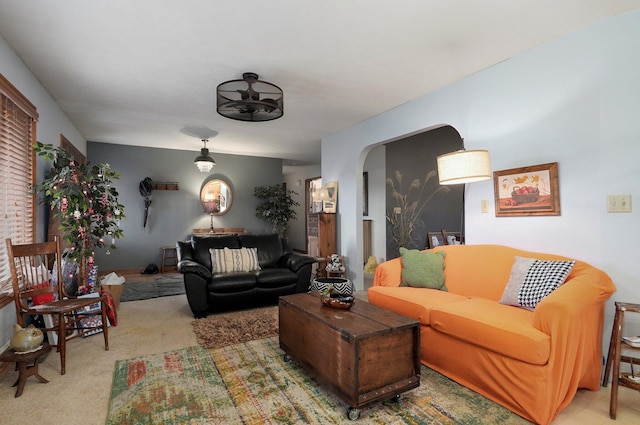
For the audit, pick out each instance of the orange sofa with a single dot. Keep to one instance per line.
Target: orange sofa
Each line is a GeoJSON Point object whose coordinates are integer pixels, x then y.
{"type": "Point", "coordinates": [531, 362]}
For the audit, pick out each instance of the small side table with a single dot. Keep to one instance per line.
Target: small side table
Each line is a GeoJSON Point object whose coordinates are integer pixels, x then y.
{"type": "Point", "coordinates": [22, 361]}
{"type": "Point", "coordinates": [615, 357]}
{"type": "Point", "coordinates": [169, 259]}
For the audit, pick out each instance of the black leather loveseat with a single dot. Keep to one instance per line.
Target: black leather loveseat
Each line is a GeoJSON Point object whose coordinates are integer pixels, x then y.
{"type": "Point", "coordinates": [281, 273]}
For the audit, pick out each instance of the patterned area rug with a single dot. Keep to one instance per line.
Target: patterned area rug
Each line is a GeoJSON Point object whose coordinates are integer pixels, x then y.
{"type": "Point", "coordinates": [220, 330]}
{"type": "Point", "coordinates": [251, 384]}
{"type": "Point", "coordinates": [160, 286]}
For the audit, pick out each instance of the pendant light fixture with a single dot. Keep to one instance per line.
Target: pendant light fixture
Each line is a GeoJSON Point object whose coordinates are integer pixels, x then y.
{"type": "Point", "coordinates": [204, 161]}
{"type": "Point", "coordinates": [250, 99]}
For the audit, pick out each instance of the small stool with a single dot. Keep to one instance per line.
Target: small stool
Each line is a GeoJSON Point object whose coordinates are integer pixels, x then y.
{"type": "Point", "coordinates": [341, 285]}
{"type": "Point", "coordinates": [169, 259]}
{"type": "Point", "coordinates": [614, 357]}
{"type": "Point", "coordinates": [22, 363]}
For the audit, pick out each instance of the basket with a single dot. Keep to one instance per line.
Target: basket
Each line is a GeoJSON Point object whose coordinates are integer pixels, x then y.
{"type": "Point", "coordinates": [526, 194]}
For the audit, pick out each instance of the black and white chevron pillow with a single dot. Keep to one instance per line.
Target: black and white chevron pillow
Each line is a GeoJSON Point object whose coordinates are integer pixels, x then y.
{"type": "Point", "coordinates": [531, 280]}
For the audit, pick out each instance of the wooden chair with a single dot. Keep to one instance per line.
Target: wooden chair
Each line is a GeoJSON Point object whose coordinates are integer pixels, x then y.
{"type": "Point", "coordinates": [36, 294]}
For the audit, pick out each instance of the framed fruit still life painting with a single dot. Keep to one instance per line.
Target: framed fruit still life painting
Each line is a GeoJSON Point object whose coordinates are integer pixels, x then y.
{"type": "Point", "coordinates": [527, 191]}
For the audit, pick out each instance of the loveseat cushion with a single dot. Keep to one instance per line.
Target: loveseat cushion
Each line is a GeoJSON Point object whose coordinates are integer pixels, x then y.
{"type": "Point", "coordinates": [226, 283]}
{"type": "Point", "coordinates": [202, 244]}
{"type": "Point", "coordinates": [269, 248]}
{"type": "Point", "coordinates": [275, 278]}
{"type": "Point", "coordinates": [496, 327]}
{"type": "Point", "coordinates": [416, 303]}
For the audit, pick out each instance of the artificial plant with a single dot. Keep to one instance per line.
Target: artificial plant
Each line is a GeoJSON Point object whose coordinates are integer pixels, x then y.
{"type": "Point", "coordinates": [276, 206]}
{"type": "Point", "coordinates": [406, 223]}
{"type": "Point", "coordinates": [84, 201]}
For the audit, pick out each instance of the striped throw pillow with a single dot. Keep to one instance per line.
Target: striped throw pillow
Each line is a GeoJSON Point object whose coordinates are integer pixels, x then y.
{"type": "Point", "coordinates": [228, 260]}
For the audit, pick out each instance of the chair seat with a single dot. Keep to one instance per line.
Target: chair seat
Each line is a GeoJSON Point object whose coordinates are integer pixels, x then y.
{"type": "Point", "coordinates": [62, 306]}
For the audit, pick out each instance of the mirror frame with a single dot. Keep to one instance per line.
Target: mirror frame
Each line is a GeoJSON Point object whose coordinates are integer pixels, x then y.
{"type": "Point", "coordinates": [204, 191]}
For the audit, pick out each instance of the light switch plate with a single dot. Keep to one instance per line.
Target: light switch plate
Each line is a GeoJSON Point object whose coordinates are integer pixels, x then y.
{"type": "Point", "coordinates": [619, 203]}
{"type": "Point", "coordinates": [484, 206]}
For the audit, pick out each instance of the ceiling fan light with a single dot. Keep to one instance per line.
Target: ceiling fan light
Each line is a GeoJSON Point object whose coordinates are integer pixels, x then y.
{"type": "Point", "coordinates": [249, 99]}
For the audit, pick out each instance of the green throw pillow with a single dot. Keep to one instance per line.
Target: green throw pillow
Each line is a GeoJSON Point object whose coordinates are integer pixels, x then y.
{"type": "Point", "coordinates": [423, 269]}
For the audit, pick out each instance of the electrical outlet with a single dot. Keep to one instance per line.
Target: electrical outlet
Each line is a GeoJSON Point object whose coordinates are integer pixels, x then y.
{"type": "Point", "coordinates": [619, 203]}
{"type": "Point", "coordinates": [397, 210]}
{"type": "Point", "coordinates": [484, 206]}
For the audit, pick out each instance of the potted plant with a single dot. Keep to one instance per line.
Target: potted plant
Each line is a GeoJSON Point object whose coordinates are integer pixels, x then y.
{"type": "Point", "coordinates": [276, 206]}
{"type": "Point", "coordinates": [86, 205]}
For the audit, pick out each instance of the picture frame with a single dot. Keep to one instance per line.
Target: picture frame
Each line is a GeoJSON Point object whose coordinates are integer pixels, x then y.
{"type": "Point", "coordinates": [527, 191]}
{"type": "Point", "coordinates": [330, 206]}
{"type": "Point", "coordinates": [437, 238]}
{"type": "Point", "coordinates": [365, 194]}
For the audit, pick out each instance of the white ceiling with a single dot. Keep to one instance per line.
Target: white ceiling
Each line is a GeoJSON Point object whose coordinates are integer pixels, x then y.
{"type": "Point", "coordinates": [144, 72]}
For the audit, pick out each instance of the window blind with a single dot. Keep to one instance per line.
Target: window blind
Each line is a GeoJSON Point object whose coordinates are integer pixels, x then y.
{"type": "Point", "coordinates": [17, 163]}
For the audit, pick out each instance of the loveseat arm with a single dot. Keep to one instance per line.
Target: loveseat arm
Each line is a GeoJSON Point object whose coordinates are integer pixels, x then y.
{"type": "Point", "coordinates": [191, 267]}
{"type": "Point", "coordinates": [295, 262]}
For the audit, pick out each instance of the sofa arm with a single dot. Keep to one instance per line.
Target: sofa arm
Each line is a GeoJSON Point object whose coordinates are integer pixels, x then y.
{"type": "Point", "coordinates": [191, 267]}
{"type": "Point", "coordinates": [573, 317]}
{"type": "Point", "coordinates": [388, 273]}
{"type": "Point", "coordinates": [295, 262]}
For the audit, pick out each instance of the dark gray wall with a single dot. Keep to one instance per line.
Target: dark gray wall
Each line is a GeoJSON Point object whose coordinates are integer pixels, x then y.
{"type": "Point", "coordinates": [414, 157]}
{"type": "Point", "coordinates": [173, 214]}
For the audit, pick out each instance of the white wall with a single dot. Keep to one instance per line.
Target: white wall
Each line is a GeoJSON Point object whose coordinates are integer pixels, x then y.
{"type": "Point", "coordinates": [576, 101]}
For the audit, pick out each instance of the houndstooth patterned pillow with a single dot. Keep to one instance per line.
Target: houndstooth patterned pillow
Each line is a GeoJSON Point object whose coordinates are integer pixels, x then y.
{"type": "Point", "coordinates": [531, 280]}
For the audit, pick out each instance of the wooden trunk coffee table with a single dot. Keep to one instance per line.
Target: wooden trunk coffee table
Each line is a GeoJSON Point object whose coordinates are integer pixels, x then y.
{"type": "Point", "coordinates": [364, 355]}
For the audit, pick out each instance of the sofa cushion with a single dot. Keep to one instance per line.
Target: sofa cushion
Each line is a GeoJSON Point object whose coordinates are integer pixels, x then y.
{"type": "Point", "coordinates": [531, 280]}
{"type": "Point", "coordinates": [496, 327]}
{"type": "Point", "coordinates": [228, 283]}
{"type": "Point", "coordinates": [411, 302]}
{"type": "Point", "coordinates": [269, 247]}
{"type": "Point", "coordinates": [423, 269]}
{"type": "Point", "coordinates": [275, 278]}
{"type": "Point", "coordinates": [202, 244]}
{"type": "Point", "coordinates": [227, 260]}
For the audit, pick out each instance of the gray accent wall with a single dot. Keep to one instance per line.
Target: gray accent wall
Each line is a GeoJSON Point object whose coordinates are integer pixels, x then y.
{"type": "Point", "coordinates": [174, 213]}
{"type": "Point", "coordinates": [413, 157]}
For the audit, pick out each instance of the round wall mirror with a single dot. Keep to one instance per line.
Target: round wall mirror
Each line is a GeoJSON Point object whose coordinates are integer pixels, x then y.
{"type": "Point", "coordinates": [216, 197]}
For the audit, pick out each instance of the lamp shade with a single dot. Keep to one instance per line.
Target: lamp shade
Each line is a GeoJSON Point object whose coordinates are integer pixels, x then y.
{"type": "Point", "coordinates": [464, 167]}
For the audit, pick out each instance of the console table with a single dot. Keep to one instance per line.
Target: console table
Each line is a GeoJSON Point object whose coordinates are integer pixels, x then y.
{"type": "Point", "coordinates": [220, 231]}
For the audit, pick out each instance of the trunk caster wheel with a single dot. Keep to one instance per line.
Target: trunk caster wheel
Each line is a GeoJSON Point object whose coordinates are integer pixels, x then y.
{"type": "Point", "coordinates": [287, 358]}
{"type": "Point", "coordinates": [353, 413]}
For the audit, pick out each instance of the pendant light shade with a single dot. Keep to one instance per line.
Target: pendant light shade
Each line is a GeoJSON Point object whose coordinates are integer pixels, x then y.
{"type": "Point", "coordinates": [204, 161]}
{"type": "Point", "coordinates": [464, 167]}
{"type": "Point", "coordinates": [250, 99]}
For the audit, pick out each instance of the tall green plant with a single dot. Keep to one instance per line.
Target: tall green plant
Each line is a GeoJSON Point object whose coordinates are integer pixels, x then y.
{"type": "Point", "coordinates": [83, 199]}
{"type": "Point", "coordinates": [276, 206]}
{"type": "Point", "coordinates": [411, 203]}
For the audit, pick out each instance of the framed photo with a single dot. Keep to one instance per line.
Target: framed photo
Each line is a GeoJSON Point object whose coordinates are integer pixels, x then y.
{"type": "Point", "coordinates": [527, 191]}
{"type": "Point", "coordinates": [365, 193]}
{"type": "Point", "coordinates": [438, 239]}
